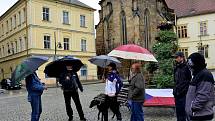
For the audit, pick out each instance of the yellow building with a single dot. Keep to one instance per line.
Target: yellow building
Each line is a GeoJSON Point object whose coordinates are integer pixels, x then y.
{"type": "Point", "coordinates": [195, 28]}
{"type": "Point", "coordinates": [47, 27]}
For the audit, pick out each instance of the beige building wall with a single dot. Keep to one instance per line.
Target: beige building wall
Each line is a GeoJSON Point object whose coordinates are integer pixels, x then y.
{"type": "Point", "coordinates": [193, 31]}
{"type": "Point", "coordinates": [37, 28]}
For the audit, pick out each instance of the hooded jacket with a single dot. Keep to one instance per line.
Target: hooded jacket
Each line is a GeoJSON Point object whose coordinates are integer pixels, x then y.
{"type": "Point", "coordinates": [200, 95]}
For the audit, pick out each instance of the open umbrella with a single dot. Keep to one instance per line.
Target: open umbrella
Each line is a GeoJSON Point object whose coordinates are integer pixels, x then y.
{"type": "Point", "coordinates": [104, 60]}
{"type": "Point", "coordinates": [132, 51]}
{"type": "Point", "coordinates": [27, 67]}
{"type": "Point", "coordinates": [55, 68]}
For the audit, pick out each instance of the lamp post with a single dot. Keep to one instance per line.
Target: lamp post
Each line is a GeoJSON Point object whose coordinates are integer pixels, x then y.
{"type": "Point", "coordinates": [57, 45]}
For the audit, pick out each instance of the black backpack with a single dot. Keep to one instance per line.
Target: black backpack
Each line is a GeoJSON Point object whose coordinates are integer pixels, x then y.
{"type": "Point", "coordinates": [68, 81]}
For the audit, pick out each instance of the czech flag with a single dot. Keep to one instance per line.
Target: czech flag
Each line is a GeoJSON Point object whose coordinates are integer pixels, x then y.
{"type": "Point", "coordinates": [159, 98]}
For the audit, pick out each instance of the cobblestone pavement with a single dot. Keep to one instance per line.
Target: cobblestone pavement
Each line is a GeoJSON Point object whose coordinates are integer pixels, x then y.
{"type": "Point", "coordinates": [14, 106]}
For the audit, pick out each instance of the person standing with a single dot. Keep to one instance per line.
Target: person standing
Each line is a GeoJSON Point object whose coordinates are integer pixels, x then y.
{"type": "Point", "coordinates": [136, 94]}
{"type": "Point", "coordinates": [200, 96]}
{"type": "Point", "coordinates": [70, 84]}
{"type": "Point", "coordinates": [112, 88]}
{"type": "Point", "coordinates": [35, 90]}
{"type": "Point", "coordinates": [182, 78]}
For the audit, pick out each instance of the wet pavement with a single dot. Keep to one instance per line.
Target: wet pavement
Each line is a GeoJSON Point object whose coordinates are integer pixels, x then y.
{"type": "Point", "coordinates": [14, 106]}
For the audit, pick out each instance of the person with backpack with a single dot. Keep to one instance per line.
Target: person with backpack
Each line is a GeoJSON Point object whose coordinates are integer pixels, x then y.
{"type": "Point", "coordinates": [112, 88]}
{"type": "Point", "coordinates": [70, 84]}
{"type": "Point", "coordinates": [136, 93]}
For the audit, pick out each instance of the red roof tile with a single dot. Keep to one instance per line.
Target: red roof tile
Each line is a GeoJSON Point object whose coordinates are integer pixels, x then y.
{"type": "Point", "coordinates": [185, 8]}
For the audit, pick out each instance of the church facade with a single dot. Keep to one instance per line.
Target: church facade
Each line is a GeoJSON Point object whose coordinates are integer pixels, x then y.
{"type": "Point", "coordinates": [129, 21]}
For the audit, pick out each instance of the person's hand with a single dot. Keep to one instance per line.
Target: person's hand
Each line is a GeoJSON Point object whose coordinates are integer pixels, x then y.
{"type": "Point", "coordinates": [45, 87]}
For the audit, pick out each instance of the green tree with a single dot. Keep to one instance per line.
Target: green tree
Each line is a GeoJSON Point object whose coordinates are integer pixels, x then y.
{"type": "Point", "coordinates": [163, 49]}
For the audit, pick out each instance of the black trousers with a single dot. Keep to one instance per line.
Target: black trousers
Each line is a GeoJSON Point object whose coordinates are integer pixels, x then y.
{"type": "Point", "coordinates": [114, 106]}
{"type": "Point", "coordinates": [75, 96]}
{"type": "Point", "coordinates": [180, 108]}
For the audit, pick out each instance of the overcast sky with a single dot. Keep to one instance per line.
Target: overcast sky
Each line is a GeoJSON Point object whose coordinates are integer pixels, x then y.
{"type": "Point", "coordinates": [6, 4]}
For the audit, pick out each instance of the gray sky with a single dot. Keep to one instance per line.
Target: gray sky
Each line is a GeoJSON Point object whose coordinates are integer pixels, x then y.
{"type": "Point", "coordinates": [6, 4]}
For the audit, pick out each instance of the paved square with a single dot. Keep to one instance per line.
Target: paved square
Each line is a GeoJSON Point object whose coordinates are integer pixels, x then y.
{"type": "Point", "coordinates": [14, 106]}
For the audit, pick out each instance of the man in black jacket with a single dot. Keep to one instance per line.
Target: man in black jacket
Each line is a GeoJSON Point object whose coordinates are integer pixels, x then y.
{"type": "Point", "coordinates": [182, 78]}
{"type": "Point", "coordinates": [70, 84]}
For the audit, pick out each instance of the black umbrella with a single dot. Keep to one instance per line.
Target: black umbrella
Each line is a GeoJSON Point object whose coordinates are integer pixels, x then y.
{"type": "Point", "coordinates": [55, 68]}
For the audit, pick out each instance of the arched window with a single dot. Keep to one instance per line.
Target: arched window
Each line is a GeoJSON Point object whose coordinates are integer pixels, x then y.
{"type": "Point", "coordinates": [84, 70]}
{"type": "Point", "coordinates": [124, 28]}
{"type": "Point", "coordinates": [147, 31]}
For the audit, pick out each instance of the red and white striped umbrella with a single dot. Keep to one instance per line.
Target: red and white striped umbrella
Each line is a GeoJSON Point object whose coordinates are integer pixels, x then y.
{"type": "Point", "coordinates": [132, 51]}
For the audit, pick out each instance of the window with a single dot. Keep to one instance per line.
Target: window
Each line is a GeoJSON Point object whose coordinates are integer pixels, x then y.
{"type": "Point", "coordinates": [14, 24]}
{"type": "Point", "coordinates": [147, 27]}
{"type": "Point", "coordinates": [47, 42]}
{"type": "Point", "coordinates": [124, 28]}
{"type": "Point", "coordinates": [45, 14]}
{"type": "Point", "coordinates": [24, 15]}
{"type": "Point", "coordinates": [65, 17]}
{"type": "Point", "coordinates": [2, 26]}
{"type": "Point", "coordinates": [184, 50]}
{"type": "Point", "coordinates": [203, 28]}
{"type": "Point", "coordinates": [3, 51]}
{"type": "Point", "coordinates": [182, 31]}
{"type": "Point", "coordinates": [66, 43]}
{"type": "Point", "coordinates": [83, 45]}
{"type": "Point", "coordinates": [16, 47]}
{"type": "Point", "coordinates": [0, 53]}
{"type": "Point", "coordinates": [20, 19]}
{"type": "Point", "coordinates": [84, 70]}
{"type": "Point", "coordinates": [203, 50]}
{"type": "Point", "coordinates": [11, 24]}
{"type": "Point", "coordinates": [82, 21]}
{"type": "Point", "coordinates": [7, 29]}
{"type": "Point", "coordinates": [20, 44]}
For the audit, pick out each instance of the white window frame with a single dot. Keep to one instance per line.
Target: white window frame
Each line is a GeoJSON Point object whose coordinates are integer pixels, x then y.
{"type": "Point", "coordinates": [45, 40]}
{"type": "Point", "coordinates": [66, 18]}
{"type": "Point", "coordinates": [45, 18]}
{"type": "Point", "coordinates": [203, 28]}
{"type": "Point", "coordinates": [84, 68]}
{"type": "Point", "coordinates": [82, 21]}
{"type": "Point", "coordinates": [83, 45]}
{"type": "Point", "coordinates": [66, 44]}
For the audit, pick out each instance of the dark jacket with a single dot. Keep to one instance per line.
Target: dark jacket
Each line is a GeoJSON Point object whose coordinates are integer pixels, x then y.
{"type": "Point", "coordinates": [73, 78]}
{"type": "Point", "coordinates": [200, 96]}
{"type": "Point", "coordinates": [182, 78]}
{"type": "Point", "coordinates": [137, 88]}
{"type": "Point", "coordinates": [33, 86]}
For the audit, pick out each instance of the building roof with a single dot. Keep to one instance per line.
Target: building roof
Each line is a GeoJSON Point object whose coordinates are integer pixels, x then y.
{"type": "Point", "coordinates": [77, 2]}
{"type": "Point", "coordinates": [185, 8]}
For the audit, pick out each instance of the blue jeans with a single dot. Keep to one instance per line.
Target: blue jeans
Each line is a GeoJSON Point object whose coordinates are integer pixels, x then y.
{"type": "Point", "coordinates": [137, 111]}
{"type": "Point", "coordinates": [36, 106]}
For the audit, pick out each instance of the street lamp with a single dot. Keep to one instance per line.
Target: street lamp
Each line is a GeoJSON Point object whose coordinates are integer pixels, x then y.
{"type": "Point", "coordinates": [57, 45]}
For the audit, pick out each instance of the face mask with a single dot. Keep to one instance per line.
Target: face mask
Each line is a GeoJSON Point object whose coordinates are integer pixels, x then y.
{"type": "Point", "coordinates": [190, 65]}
